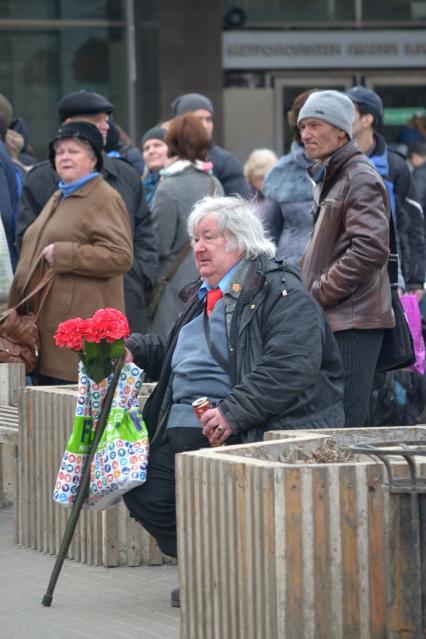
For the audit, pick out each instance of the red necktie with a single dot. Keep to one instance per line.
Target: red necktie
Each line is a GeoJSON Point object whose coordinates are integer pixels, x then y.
{"type": "Point", "coordinates": [213, 296]}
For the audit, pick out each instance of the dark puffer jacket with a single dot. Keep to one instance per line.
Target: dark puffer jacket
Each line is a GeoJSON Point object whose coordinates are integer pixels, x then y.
{"type": "Point", "coordinates": [41, 183]}
{"type": "Point", "coordinates": [228, 171]}
{"type": "Point", "coordinates": [408, 211]}
{"type": "Point", "coordinates": [286, 370]}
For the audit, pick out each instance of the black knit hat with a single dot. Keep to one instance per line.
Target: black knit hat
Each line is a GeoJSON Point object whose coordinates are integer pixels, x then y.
{"type": "Point", "coordinates": [155, 133]}
{"type": "Point", "coordinates": [82, 103]}
{"type": "Point", "coordinates": [191, 102]}
{"type": "Point", "coordinates": [85, 131]}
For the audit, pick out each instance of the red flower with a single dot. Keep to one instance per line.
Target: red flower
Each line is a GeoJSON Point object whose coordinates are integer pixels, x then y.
{"type": "Point", "coordinates": [71, 333]}
{"type": "Point", "coordinates": [108, 324]}
{"type": "Point", "coordinates": [99, 340]}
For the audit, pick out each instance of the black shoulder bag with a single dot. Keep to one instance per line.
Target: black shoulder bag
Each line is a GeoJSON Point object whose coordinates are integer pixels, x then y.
{"type": "Point", "coordinates": [397, 348]}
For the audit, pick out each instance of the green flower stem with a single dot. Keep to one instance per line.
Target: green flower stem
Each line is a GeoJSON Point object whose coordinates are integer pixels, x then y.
{"type": "Point", "coordinates": [98, 357]}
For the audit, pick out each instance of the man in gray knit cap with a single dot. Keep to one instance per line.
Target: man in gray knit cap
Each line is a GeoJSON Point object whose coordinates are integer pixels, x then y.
{"type": "Point", "coordinates": [345, 264]}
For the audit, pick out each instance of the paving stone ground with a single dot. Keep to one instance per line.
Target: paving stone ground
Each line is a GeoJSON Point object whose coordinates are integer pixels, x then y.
{"type": "Point", "coordinates": [89, 602]}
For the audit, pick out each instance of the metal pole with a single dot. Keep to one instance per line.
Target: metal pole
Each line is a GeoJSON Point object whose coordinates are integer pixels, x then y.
{"type": "Point", "coordinates": [84, 486]}
{"type": "Point", "coordinates": [131, 68]}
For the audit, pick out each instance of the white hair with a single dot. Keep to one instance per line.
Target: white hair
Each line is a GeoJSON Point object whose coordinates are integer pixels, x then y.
{"type": "Point", "coordinates": [237, 219]}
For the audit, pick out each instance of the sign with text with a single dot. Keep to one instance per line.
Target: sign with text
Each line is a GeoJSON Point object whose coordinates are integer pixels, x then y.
{"type": "Point", "coordinates": [324, 49]}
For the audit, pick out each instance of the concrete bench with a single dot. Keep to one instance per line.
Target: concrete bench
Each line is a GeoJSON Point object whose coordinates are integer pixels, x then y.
{"type": "Point", "coordinates": [12, 379]}
{"type": "Point", "coordinates": [109, 538]}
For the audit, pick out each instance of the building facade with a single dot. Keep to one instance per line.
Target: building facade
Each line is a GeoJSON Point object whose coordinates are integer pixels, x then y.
{"type": "Point", "coordinates": [252, 57]}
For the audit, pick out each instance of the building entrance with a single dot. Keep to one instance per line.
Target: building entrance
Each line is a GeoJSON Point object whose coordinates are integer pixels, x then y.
{"type": "Point", "coordinates": [256, 104]}
{"type": "Point", "coordinates": [403, 95]}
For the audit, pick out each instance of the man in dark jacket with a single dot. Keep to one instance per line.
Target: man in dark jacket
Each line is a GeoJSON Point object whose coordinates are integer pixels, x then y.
{"type": "Point", "coordinates": [417, 158]}
{"type": "Point", "coordinates": [405, 205]}
{"type": "Point", "coordinates": [345, 263]}
{"type": "Point", "coordinates": [226, 167]}
{"type": "Point", "coordinates": [251, 338]}
{"type": "Point", "coordinates": [42, 181]}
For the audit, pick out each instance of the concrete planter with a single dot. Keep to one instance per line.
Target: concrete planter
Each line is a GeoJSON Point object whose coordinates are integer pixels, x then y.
{"type": "Point", "coordinates": [272, 550]}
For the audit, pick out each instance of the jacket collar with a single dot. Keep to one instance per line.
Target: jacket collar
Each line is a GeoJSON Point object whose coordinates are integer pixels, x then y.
{"type": "Point", "coordinates": [261, 266]}
{"type": "Point", "coordinates": [336, 161]}
{"type": "Point", "coordinates": [380, 146]}
{"type": "Point", "coordinates": [84, 190]}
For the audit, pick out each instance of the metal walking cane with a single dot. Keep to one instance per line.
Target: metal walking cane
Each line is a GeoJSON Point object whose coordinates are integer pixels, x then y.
{"type": "Point", "coordinates": [84, 486]}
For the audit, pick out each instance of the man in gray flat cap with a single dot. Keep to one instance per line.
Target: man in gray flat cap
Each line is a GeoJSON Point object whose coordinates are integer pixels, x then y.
{"type": "Point", "coordinates": [226, 167]}
{"type": "Point", "coordinates": [41, 182]}
{"type": "Point", "coordinates": [345, 264]}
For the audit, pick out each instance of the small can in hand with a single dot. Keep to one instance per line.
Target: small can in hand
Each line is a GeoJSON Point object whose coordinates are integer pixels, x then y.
{"type": "Point", "coordinates": [200, 406]}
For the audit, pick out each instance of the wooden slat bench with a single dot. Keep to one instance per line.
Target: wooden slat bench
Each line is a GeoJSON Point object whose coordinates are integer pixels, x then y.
{"type": "Point", "coordinates": [108, 538]}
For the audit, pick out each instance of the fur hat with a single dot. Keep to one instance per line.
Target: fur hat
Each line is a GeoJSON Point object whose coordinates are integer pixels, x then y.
{"type": "Point", "coordinates": [332, 107]}
{"type": "Point", "coordinates": [80, 131]}
{"type": "Point", "coordinates": [191, 102]}
{"type": "Point", "coordinates": [82, 103]}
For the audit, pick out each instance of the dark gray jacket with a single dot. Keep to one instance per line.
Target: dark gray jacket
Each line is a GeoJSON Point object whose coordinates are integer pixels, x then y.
{"type": "Point", "coordinates": [40, 184]}
{"type": "Point", "coordinates": [228, 171]}
{"type": "Point", "coordinates": [285, 365]}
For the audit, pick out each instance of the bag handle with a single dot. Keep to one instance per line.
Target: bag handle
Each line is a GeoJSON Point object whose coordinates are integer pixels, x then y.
{"type": "Point", "coordinates": [393, 255]}
{"type": "Point", "coordinates": [37, 264]}
{"type": "Point", "coordinates": [45, 283]}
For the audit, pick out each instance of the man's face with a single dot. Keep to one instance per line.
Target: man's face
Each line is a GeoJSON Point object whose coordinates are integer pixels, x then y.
{"type": "Point", "coordinates": [211, 257]}
{"type": "Point", "coordinates": [361, 123]}
{"type": "Point", "coordinates": [155, 154]}
{"type": "Point", "coordinates": [320, 139]}
{"type": "Point", "coordinates": [100, 120]}
{"type": "Point", "coordinates": [206, 120]}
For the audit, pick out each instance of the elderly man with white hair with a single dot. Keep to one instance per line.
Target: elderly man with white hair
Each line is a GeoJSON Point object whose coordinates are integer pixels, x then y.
{"type": "Point", "coordinates": [251, 338]}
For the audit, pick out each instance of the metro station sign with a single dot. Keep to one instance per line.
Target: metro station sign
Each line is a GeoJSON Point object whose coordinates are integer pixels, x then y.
{"type": "Point", "coordinates": [324, 49]}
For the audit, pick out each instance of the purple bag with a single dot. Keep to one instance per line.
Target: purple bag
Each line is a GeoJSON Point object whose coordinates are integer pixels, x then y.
{"type": "Point", "coordinates": [414, 320]}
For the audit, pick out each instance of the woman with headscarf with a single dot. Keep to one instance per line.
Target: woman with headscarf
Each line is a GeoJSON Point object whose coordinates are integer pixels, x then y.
{"type": "Point", "coordinates": [83, 234]}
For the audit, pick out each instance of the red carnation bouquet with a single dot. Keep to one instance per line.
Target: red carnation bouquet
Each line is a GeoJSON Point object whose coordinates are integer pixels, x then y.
{"type": "Point", "coordinates": [99, 340]}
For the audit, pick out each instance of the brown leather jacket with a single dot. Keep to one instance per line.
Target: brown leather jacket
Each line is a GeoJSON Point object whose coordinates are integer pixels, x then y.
{"type": "Point", "coordinates": [345, 264]}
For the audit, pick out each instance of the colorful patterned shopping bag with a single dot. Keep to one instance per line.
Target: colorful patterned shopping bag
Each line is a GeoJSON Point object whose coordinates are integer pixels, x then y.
{"type": "Point", "coordinates": [120, 461]}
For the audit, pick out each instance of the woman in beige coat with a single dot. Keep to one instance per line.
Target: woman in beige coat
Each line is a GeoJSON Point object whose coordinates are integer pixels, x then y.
{"type": "Point", "coordinates": [84, 234]}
